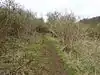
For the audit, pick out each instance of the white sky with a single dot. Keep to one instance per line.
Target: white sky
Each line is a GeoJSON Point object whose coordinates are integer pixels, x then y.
{"type": "Point", "coordinates": [82, 8]}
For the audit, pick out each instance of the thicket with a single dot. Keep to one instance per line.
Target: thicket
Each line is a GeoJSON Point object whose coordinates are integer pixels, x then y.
{"type": "Point", "coordinates": [25, 51]}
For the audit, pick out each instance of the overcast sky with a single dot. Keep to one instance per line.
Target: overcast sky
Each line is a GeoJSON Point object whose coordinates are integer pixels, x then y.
{"type": "Point", "coordinates": [82, 8]}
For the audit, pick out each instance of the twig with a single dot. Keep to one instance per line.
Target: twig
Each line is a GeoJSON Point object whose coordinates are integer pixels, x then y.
{"type": "Point", "coordinates": [22, 66]}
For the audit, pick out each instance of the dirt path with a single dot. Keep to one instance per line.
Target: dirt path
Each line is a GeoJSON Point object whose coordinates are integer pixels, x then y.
{"type": "Point", "coordinates": [53, 63]}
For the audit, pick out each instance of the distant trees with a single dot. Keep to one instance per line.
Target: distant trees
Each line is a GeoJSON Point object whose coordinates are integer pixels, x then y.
{"type": "Point", "coordinates": [57, 16]}
{"type": "Point", "coordinates": [93, 21]}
